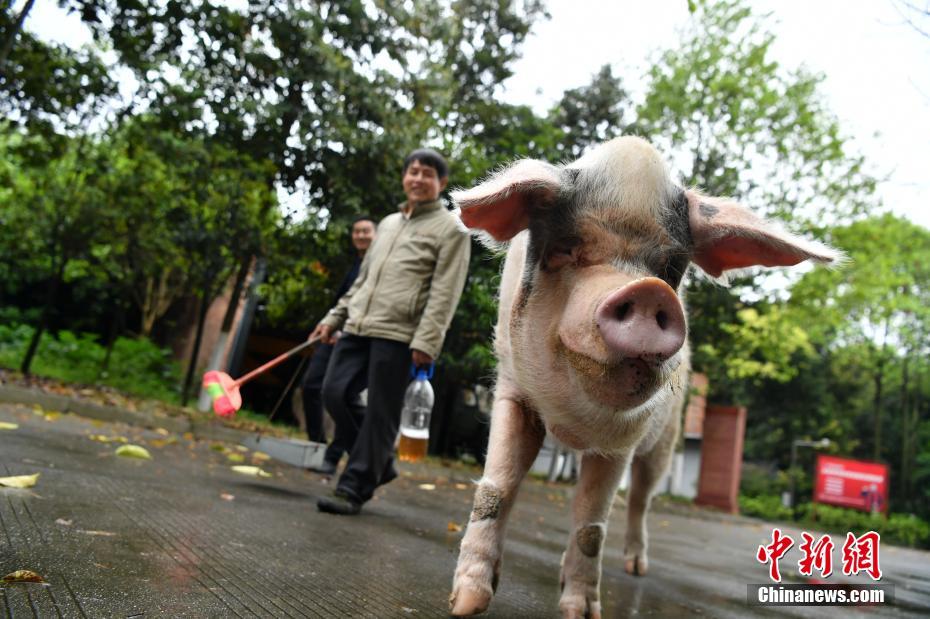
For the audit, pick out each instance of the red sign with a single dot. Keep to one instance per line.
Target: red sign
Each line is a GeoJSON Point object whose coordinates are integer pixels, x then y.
{"type": "Point", "coordinates": [856, 484]}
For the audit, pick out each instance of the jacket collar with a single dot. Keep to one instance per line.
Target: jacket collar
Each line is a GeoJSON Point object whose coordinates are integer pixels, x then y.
{"type": "Point", "coordinates": [422, 207]}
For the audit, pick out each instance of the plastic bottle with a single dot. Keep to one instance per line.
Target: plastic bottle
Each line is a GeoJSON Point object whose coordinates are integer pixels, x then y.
{"type": "Point", "coordinates": [414, 419]}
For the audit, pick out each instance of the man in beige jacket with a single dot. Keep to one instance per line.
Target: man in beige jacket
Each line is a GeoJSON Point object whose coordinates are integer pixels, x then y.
{"type": "Point", "coordinates": [396, 313]}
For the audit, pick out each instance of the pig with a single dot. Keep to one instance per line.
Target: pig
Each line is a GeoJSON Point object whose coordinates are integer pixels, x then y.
{"type": "Point", "coordinates": [591, 341]}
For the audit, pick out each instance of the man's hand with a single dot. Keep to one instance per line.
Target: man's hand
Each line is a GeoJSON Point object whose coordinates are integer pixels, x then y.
{"type": "Point", "coordinates": [420, 358]}
{"type": "Point", "coordinates": [324, 332]}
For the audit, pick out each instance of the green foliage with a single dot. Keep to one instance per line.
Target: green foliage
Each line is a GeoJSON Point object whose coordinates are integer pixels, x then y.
{"type": "Point", "coordinates": [906, 529]}
{"type": "Point", "coordinates": [764, 506]}
{"type": "Point", "coordinates": [136, 367]}
{"type": "Point", "coordinates": [758, 347]}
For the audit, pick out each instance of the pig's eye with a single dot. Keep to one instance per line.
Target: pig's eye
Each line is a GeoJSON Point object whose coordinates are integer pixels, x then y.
{"type": "Point", "coordinates": [560, 257]}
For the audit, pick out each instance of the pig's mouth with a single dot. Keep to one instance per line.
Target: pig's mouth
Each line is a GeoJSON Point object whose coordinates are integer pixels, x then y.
{"type": "Point", "coordinates": [632, 377]}
{"type": "Point", "coordinates": [629, 381]}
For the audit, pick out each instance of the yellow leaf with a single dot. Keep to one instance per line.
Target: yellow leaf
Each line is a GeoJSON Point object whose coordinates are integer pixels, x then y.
{"type": "Point", "coordinates": [133, 451]}
{"type": "Point", "coordinates": [19, 481]}
{"type": "Point", "coordinates": [4, 425]}
{"type": "Point", "coordinates": [218, 447]}
{"type": "Point", "coordinates": [52, 416]}
{"type": "Point", "coordinates": [162, 431]}
{"type": "Point", "coordinates": [427, 486]}
{"type": "Point", "coordinates": [461, 486]}
{"type": "Point", "coordinates": [251, 470]}
{"type": "Point", "coordinates": [454, 527]}
{"type": "Point", "coordinates": [23, 576]}
{"type": "Point", "coordinates": [235, 457]}
{"type": "Point", "coordinates": [260, 456]}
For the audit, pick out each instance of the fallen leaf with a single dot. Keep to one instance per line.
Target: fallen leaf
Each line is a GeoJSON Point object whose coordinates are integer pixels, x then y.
{"type": "Point", "coordinates": [52, 416]}
{"type": "Point", "coordinates": [218, 447]}
{"type": "Point", "coordinates": [98, 533]}
{"type": "Point", "coordinates": [235, 457]}
{"type": "Point", "coordinates": [188, 436]}
{"type": "Point", "coordinates": [454, 527]}
{"type": "Point", "coordinates": [260, 456]}
{"type": "Point", "coordinates": [242, 448]}
{"type": "Point", "coordinates": [157, 442]}
{"type": "Point", "coordinates": [461, 486]}
{"type": "Point", "coordinates": [22, 576]}
{"type": "Point", "coordinates": [251, 470]}
{"type": "Point", "coordinates": [162, 431]}
{"type": "Point", "coordinates": [227, 497]}
{"type": "Point", "coordinates": [133, 451]}
{"type": "Point", "coordinates": [19, 481]}
{"type": "Point", "coordinates": [427, 486]}
{"type": "Point", "coordinates": [4, 425]}
{"type": "Point", "coordinates": [63, 522]}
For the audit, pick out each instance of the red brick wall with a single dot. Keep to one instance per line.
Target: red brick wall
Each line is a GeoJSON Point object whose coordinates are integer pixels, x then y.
{"type": "Point", "coordinates": [697, 401]}
{"type": "Point", "coordinates": [722, 457]}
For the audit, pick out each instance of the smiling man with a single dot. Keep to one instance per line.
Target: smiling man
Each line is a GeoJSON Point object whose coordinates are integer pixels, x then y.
{"type": "Point", "coordinates": [396, 313]}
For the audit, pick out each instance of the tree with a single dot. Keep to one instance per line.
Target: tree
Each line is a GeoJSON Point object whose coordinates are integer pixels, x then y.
{"type": "Point", "coordinates": [51, 217]}
{"type": "Point", "coordinates": [877, 304]}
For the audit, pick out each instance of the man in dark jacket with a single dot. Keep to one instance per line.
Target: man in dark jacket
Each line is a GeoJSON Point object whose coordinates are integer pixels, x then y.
{"type": "Point", "coordinates": [396, 313]}
{"type": "Point", "coordinates": [363, 233]}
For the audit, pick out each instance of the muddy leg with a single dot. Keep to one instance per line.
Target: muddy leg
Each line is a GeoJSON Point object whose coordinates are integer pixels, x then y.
{"type": "Point", "coordinates": [515, 439]}
{"type": "Point", "coordinates": [581, 563]}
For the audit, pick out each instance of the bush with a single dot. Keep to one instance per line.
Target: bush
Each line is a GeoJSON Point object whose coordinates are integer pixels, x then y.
{"type": "Point", "coordinates": [137, 366]}
{"type": "Point", "coordinates": [905, 529]}
{"type": "Point", "coordinates": [764, 506]}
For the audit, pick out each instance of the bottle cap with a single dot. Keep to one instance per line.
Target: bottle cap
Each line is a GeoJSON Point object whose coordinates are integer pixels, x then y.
{"type": "Point", "coordinates": [422, 373]}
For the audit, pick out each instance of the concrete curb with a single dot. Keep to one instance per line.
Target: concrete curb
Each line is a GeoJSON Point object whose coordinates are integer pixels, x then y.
{"type": "Point", "coordinates": [202, 429]}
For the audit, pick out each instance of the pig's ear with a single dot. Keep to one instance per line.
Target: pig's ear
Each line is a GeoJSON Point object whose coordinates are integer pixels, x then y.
{"type": "Point", "coordinates": [501, 205]}
{"type": "Point", "coordinates": [729, 236]}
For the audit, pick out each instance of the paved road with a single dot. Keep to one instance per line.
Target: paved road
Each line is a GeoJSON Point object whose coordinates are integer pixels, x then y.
{"type": "Point", "coordinates": [182, 535]}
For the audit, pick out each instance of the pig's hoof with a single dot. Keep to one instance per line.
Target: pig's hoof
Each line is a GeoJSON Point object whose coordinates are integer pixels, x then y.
{"type": "Point", "coordinates": [577, 607]}
{"type": "Point", "coordinates": [637, 565]}
{"type": "Point", "coordinates": [465, 602]}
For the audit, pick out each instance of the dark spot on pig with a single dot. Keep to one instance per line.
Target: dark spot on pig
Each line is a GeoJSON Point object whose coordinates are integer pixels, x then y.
{"type": "Point", "coordinates": [589, 540]}
{"type": "Point", "coordinates": [676, 219]}
{"type": "Point", "coordinates": [487, 503]}
{"type": "Point", "coordinates": [707, 211]}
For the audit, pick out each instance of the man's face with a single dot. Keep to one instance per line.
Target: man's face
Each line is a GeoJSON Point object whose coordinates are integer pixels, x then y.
{"type": "Point", "coordinates": [363, 233]}
{"type": "Point", "coordinates": [422, 183]}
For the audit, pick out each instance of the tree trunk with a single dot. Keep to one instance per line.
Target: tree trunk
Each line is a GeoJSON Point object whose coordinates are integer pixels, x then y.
{"type": "Point", "coordinates": [116, 326]}
{"type": "Point", "coordinates": [877, 407]}
{"type": "Point", "coordinates": [905, 429]}
{"type": "Point", "coordinates": [50, 299]}
{"type": "Point", "coordinates": [216, 359]}
{"type": "Point", "coordinates": [205, 300]}
{"type": "Point", "coordinates": [11, 36]}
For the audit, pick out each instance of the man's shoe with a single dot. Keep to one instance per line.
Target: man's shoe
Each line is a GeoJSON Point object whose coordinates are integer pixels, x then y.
{"type": "Point", "coordinates": [326, 468]}
{"type": "Point", "coordinates": [340, 504]}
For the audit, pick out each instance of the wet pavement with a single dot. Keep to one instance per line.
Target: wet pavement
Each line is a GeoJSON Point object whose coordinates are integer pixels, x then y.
{"type": "Point", "coordinates": [183, 535]}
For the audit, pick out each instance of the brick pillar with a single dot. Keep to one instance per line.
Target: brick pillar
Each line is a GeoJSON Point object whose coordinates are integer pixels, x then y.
{"type": "Point", "coordinates": [722, 457]}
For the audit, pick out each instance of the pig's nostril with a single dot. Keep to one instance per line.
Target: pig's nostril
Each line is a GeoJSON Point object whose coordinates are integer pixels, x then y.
{"type": "Point", "coordinates": [662, 319]}
{"type": "Point", "coordinates": [623, 310]}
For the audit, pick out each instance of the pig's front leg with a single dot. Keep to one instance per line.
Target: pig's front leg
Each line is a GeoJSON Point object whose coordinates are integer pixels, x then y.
{"type": "Point", "coordinates": [515, 439]}
{"type": "Point", "coordinates": [645, 473]}
{"type": "Point", "coordinates": [581, 563]}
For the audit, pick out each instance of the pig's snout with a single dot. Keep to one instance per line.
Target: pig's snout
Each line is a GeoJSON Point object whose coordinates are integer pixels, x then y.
{"type": "Point", "coordinates": [642, 320]}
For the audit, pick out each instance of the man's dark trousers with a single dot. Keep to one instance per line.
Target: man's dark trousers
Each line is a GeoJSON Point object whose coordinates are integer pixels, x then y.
{"type": "Point", "coordinates": [312, 392]}
{"type": "Point", "coordinates": [372, 432]}
{"type": "Point", "coordinates": [312, 395]}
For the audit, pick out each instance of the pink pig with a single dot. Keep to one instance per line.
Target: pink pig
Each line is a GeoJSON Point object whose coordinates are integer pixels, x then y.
{"type": "Point", "coordinates": [591, 340]}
